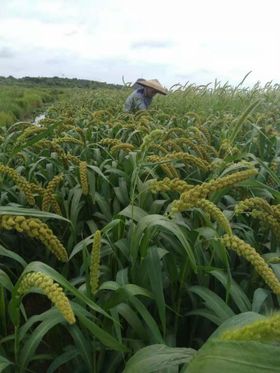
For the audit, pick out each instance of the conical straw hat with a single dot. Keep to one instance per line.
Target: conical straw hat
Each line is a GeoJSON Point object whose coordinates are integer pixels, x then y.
{"type": "Point", "coordinates": [155, 84]}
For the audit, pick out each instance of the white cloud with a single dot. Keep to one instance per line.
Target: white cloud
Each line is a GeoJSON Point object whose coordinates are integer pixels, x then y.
{"type": "Point", "coordinates": [190, 40]}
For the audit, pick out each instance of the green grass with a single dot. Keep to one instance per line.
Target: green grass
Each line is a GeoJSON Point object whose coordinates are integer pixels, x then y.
{"type": "Point", "coordinates": [18, 103]}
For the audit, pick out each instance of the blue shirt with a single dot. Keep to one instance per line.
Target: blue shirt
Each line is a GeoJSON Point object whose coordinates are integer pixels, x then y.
{"type": "Point", "coordinates": [137, 101]}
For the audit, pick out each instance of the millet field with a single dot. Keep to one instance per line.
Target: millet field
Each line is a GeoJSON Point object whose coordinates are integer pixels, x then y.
{"type": "Point", "coordinates": [145, 242]}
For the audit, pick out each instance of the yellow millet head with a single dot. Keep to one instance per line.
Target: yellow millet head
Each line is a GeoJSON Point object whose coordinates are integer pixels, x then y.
{"type": "Point", "coordinates": [51, 289]}
{"type": "Point", "coordinates": [175, 130]}
{"type": "Point", "coordinates": [226, 149]}
{"type": "Point", "coordinates": [109, 141]}
{"type": "Point", "coordinates": [36, 229]}
{"type": "Point", "coordinates": [68, 139]}
{"type": "Point", "coordinates": [215, 213]}
{"type": "Point", "coordinates": [56, 148]}
{"type": "Point", "coordinates": [55, 206]}
{"type": "Point", "coordinates": [101, 115]}
{"type": "Point", "coordinates": [54, 182]}
{"type": "Point", "coordinates": [250, 254]}
{"type": "Point", "coordinates": [143, 129]}
{"type": "Point", "coordinates": [263, 330]}
{"type": "Point", "coordinates": [172, 144]}
{"type": "Point", "coordinates": [71, 158]}
{"type": "Point", "coordinates": [48, 196]}
{"type": "Point", "coordinates": [65, 127]}
{"type": "Point", "coordinates": [20, 181]}
{"type": "Point", "coordinates": [81, 133]}
{"type": "Point", "coordinates": [42, 144]}
{"type": "Point", "coordinates": [197, 134]}
{"type": "Point", "coordinates": [28, 132]}
{"type": "Point", "coordinates": [150, 138]}
{"type": "Point", "coordinates": [49, 200]}
{"type": "Point", "coordinates": [276, 211]}
{"type": "Point", "coordinates": [274, 165]}
{"type": "Point", "coordinates": [251, 203]}
{"type": "Point", "coordinates": [95, 262]}
{"type": "Point", "coordinates": [268, 220]}
{"type": "Point", "coordinates": [206, 132]}
{"type": "Point", "coordinates": [21, 157]}
{"type": "Point", "coordinates": [36, 188]}
{"type": "Point", "coordinates": [84, 177]}
{"type": "Point", "coordinates": [144, 122]}
{"type": "Point", "coordinates": [189, 198]}
{"type": "Point", "coordinates": [167, 184]}
{"type": "Point", "coordinates": [208, 149]}
{"type": "Point", "coordinates": [189, 160]}
{"type": "Point", "coordinates": [123, 146]}
{"type": "Point", "coordinates": [166, 167]}
{"type": "Point", "coordinates": [158, 148]}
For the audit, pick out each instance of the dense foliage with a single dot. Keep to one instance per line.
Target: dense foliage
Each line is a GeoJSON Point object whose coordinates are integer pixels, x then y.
{"type": "Point", "coordinates": [137, 242]}
{"type": "Point", "coordinates": [19, 103]}
{"type": "Point", "coordinates": [55, 82]}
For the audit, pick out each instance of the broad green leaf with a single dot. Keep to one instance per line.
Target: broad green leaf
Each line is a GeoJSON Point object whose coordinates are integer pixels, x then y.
{"type": "Point", "coordinates": [80, 245]}
{"type": "Point", "coordinates": [156, 357]}
{"type": "Point", "coordinates": [133, 212]}
{"type": "Point", "coordinates": [213, 302]}
{"type": "Point", "coordinates": [235, 357]}
{"type": "Point", "coordinates": [237, 294]}
{"type": "Point", "coordinates": [52, 312]}
{"type": "Point", "coordinates": [208, 314]}
{"type": "Point", "coordinates": [28, 350]}
{"type": "Point", "coordinates": [5, 281]}
{"type": "Point", "coordinates": [12, 255]}
{"type": "Point", "coordinates": [104, 206]}
{"type": "Point", "coordinates": [10, 210]}
{"type": "Point", "coordinates": [132, 319]}
{"type": "Point", "coordinates": [237, 125]}
{"type": "Point", "coordinates": [137, 290]}
{"type": "Point", "coordinates": [99, 172]}
{"type": "Point", "coordinates": [146, 316]}
{"type": "Point", "coordinates": [155, 276]}
{"type": "Point", "coordinates": [82, 344]}
{"type": "Point", "coordinates": [62, 359]}
{"type": "Point", "coordinates": [162, 223]}
{"type": "Point", "coordinates": [104, 337]}
{"type": "Point", "coordinates": [237, 321]}
{"type": "Point", "coordinates": [259, 186]}
{"type": "Point", "coordinates": [259, 299]}
{"type": "Point", "coordinates": [131, 288]}
{"type": "Point", "coordinates": [88, 240]}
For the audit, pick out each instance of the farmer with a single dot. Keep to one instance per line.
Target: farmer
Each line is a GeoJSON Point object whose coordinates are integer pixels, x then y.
{"type": "Point", "coordinates": [141, 97]}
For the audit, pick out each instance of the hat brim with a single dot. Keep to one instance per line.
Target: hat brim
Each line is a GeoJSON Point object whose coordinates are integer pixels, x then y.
{"type": "Point", "coordinates": [160, 90]}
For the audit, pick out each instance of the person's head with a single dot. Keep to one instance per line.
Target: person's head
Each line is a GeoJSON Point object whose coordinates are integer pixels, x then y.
{"type": "Point", "coordinates": [152, 87]}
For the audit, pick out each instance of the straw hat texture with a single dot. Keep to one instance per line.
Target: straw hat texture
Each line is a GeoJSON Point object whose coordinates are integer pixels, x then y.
{"type": "Point", "coordinates": [153, 83]}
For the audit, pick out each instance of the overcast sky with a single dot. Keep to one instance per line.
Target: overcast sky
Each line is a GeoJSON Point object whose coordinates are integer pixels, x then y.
{"type": "Point", "coordinates": [173, 40]}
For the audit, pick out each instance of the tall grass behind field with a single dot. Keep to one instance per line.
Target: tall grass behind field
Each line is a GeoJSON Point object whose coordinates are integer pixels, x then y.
{"type": "Point", "coordinates": [17, 103]}
{"type": "Point", "coordinates": [215, 98]}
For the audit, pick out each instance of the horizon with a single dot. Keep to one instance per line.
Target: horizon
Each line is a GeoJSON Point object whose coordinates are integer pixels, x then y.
{"type": "Point", "coordinates": [216, 82]}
